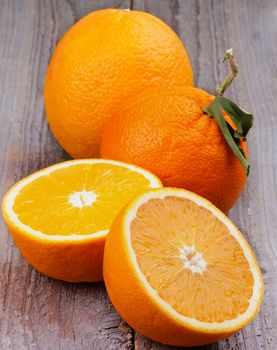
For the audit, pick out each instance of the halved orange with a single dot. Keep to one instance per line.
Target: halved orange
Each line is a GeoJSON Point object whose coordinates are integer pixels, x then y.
{"type": "Point", "coordinates": [179, 271]}
{"type": "Point", "coordinates": [59, 217]}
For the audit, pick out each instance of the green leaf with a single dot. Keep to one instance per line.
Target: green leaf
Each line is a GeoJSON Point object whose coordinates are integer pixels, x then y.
{"type": "Point", "coordinates": [240, 118]}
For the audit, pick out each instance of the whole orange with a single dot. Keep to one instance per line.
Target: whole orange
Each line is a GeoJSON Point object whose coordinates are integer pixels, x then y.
{"type": "Point", "coordinates": [165, 130]}
{"type": "Point", "coordinates": [104, 58]}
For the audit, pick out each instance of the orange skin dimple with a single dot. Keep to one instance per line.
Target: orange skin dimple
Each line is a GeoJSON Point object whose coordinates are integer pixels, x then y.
{"type": "Point", "coordinates": [165, 131]}
{"type": "Point", "coordinates": [103, 59]}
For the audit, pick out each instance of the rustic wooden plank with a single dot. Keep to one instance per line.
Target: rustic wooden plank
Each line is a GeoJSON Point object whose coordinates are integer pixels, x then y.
{"type": "Point", "coordinates": [37, 312]}
{"type": "Point", "coordinates": [208, 28]}
{"type": "Point", "coordinates": [40, 313]}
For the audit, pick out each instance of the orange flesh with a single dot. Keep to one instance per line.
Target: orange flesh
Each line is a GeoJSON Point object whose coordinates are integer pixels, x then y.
{"type": "Point", "coordinates": [44, 203]}
{"type": "Point", "coordinates": [158, 233]}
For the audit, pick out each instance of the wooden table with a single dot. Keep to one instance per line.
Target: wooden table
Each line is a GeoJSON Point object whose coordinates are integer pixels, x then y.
{"type": "Point", "coordinates": [37, 312]}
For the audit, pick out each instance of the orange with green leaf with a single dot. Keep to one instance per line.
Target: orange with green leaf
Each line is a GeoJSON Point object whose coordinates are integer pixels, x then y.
{"type": "Point", "coordinates": [187, 137]}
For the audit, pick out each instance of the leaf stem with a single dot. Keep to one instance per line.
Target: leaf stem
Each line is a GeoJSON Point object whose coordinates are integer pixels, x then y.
{"type": "Point", "coordinates": [233, 71]}
{"type": "Point", "coordinates": [242, 121]}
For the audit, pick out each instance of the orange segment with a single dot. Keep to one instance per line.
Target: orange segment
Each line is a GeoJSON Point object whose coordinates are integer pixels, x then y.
{"type": "Point", "coordinates": [183, 266]}
{"type": "Point", "coordinates": [66, 210]}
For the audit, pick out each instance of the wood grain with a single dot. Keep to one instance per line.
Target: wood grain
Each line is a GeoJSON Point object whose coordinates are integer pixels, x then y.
{"type": "Point", "coordinates": [208, 28]}
{"type": "Point", "coordinates": [37, 312]}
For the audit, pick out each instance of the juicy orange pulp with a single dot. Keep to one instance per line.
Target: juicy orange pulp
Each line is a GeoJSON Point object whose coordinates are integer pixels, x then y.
{"type": "Point", "coordinates": [59, 217]}
{"type": "Point", "coordinates": [79, 199]}
{"type": "Point", "coordinates": [185, 275]}
{"type": "Point", "coordinates": [193, 254]}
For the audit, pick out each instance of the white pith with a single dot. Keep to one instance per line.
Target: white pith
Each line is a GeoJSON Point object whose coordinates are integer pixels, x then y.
{"type": "Point", "coordinates": [82, 199]}
{"type": "Point", "coordinates": [211, 327]}
{"type": "Point", "coordinates": [193, 260]}
{"type": "Point", "coordinates": [10, 197]}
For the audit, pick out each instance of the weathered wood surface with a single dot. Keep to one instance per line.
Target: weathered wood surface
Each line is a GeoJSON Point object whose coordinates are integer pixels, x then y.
{"type": "Point", "coordinates": [37, 312]}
